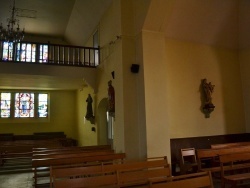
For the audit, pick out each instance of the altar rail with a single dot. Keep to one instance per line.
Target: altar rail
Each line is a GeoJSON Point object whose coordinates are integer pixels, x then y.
{"type": "Point", "coordinates": [47, 53]}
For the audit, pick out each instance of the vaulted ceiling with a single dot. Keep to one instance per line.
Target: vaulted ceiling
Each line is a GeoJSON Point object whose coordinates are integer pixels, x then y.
{"type": "Point", "coordinates": [223, 23]}
{"type": "Point", "coordinates": [214, 22]}
{"type": "Point", "coordinates": [51, 17]}
{"type": "Point", "coordinates": [47, 17]}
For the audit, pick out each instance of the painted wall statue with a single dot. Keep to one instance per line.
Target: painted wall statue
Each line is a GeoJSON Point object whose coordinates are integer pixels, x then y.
{"type": "Point", "coordinates": [111, 98]}
{"type": "Point", "coordinates": [208, 89]}
{"type": "Point", "coordinates": [89, 113]}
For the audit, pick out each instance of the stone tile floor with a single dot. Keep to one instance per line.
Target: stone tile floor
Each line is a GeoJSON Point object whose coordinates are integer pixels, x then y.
{"type": "Point", "coordinates": [21, 180]}
{"type": "Point", "coordinates": [25, 180]}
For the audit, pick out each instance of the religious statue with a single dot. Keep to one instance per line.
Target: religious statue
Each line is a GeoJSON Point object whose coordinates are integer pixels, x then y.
{"type": "Point", "coordinates": [208, 90]}
{"type": "Point", "coordinates": [89, 113]}
{"type": "Point", "coordinates": [111, 98]}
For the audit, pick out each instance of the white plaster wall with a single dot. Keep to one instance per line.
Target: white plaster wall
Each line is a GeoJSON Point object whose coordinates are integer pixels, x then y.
{"type": "Point", "coordinates": [118, 54]}
{"type": "Point", "coordinates": [156, 103]}
{"type": "Point", "coordinates": [187, 65]}
{"type": "Point", "coordinates": [111, 60]}
{"type": "Point", "coordinates": [244, 57]}
{"type": "Point", "coordinates": [85, 135]}
{"type": "Point", "coordinates": [62, 117]}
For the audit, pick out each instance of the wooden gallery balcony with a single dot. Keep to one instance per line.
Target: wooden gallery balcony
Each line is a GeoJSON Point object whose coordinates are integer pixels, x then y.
{"type": "Point", "coordinates": [49, 54]}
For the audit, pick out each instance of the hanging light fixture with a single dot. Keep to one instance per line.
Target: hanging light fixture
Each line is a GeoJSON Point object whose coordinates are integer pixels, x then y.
{"type": "Point", "coordinates": [12, 33]}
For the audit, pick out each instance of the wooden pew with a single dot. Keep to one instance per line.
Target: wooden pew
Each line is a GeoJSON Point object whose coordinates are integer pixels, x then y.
{"type": "Point", "coordinates": [237, 171]}
{"type": "Point", "coordinates": [68, 152]}
{"type": "Point", "coordinates": [194, 180]}
{"type": "Point", "coordinates": [127, 174]}
{"type": "Point", "coordinates": [27, 145]}
{"type": "Point", "coordinates": [94, 176]}
{"type": "Point", "coordinates": [229, 145]}
{"type": "Point", "coordinates": [100, 180]}
{"type": "Point", "coordinates": [16, 150]}
{"type": "Point", "coordinates": [59, 149]}
{"type": "Point", "coordinates": [48, 135]}
{"type": "Point", "coordinates": [212, 155]}
{"type": "Point", "coordinates": [81, 159]}
{"type": "Point", "coordinates": [139, 174]}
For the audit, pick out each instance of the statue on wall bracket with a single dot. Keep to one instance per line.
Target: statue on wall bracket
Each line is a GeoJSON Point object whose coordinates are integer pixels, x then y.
{"type": "Point", "coordinates": [111, 99]}
{"type": "Point", "coordinates": [89, 114]}
{"type": "Point", "coordinates": [208, 89]}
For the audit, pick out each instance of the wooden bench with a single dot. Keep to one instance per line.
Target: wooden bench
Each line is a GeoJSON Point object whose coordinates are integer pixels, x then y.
{"type": "Point", "coordinates": [140, 173]}
{"type": "Point", "coordinates": [83, 177]}
{"type": "Point", "coordinates": [63, 149]}
{"type": "Point", "coordinates": [27, 145]}
{"type": "Point", "coordinates": [19, 148]}
{"type": "Point", "coordinates": [194, 180]}
{"type": "Point", "coordinates": [64, 153]}
{"type": "Point", "coordinates": [235, 168]}
{"type": "Point", "coordinates": [212, 156]}
{"type": "Point", "coordinates": [127, 174]}
{"type": "Point", "coordinates": [15, 150]}
{"type": "Point", "coordinates": [41, 166]}
{"type": "Point", "coordinates": [229, 145]}
{"type": "Point", "coordinates": [70, 153]}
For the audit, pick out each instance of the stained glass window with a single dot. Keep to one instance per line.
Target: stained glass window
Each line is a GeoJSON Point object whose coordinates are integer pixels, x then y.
{"type": "Point", "coordinates": [7, 51]}
{"type": "Point", "coordinates": [26, 52]}
{"type": "Point", "coordinates": [24, 105]}
{"type": "Point", "coordinates": [96, 45]}
{"type": "Point", "coordinates": [5, 105]}
{"type": "Point", "coordinates": [42, 105]}
{"type": "Point", "coordinates": [43, 54]}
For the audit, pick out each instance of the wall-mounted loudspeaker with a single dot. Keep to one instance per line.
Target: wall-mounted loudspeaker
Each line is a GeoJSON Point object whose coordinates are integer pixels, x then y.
{"type": "Point", "coordinates": [113, 74]}
{"type": "Point", "coordinates": [135, 68]}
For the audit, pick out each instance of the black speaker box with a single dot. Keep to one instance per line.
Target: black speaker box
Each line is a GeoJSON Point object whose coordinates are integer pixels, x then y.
{"type": "Point", "coordinates": [135, 68]}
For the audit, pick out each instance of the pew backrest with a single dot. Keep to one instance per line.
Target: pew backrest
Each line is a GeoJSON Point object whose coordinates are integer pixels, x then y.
{"type": "Point", "coordinates": [100, 181]}
{"type": "Point", "coordinates": [203, 154]}
{"type": "Point", "coordinates": [44, 164]}
{"type": "Point", "coordinates": [233, 163]}
{"type": "Point", "coordinates": [195, 180]}
{"type": "Point", "coordinates": [70, 153]}
{"type": "Point", "coordinates": [229, 145]}
{"type": "Point", "coordinates": [77, 160]}
{"type": "Point", "coordinates": [140, 173]}
{"type": "Point", "coordinates": [121, 175]}
{"type": "Point", "coordinates": [85, 148]}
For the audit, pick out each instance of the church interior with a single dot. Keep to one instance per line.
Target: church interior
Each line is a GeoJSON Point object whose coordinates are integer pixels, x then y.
{"type": "Point", "coordinates": [107, 80]}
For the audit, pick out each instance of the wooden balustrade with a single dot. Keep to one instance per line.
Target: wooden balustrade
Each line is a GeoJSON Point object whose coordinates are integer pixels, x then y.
{"type": "Point", "coordinates": [47, 53]}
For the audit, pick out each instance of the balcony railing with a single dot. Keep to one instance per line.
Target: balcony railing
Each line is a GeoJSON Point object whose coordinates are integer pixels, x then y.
{"type": "Point", "coordinates": [46, 53]}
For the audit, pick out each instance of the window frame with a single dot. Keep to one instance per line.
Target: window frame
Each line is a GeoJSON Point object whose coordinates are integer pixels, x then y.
{"type": "Point", "coordinates": [25, 52]}
{"type": "Point", "coordinates": [36, 118]}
